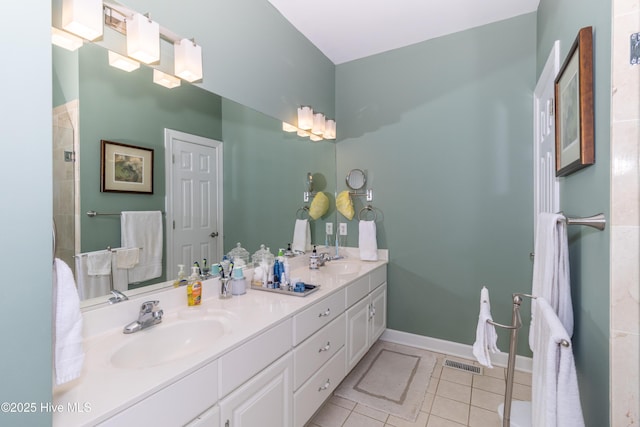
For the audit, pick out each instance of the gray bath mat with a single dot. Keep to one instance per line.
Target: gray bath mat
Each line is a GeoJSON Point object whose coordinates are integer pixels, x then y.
{"type": "Point", "coordinates": [392, 378]}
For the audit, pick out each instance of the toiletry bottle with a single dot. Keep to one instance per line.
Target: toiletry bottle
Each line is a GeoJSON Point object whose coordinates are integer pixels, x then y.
{"type": "Point", "coordinates": [313, 259]}
{"type": "Point", "coordinates": [181, 280]}
{"type": "Point", "coordinates": [194, 288]}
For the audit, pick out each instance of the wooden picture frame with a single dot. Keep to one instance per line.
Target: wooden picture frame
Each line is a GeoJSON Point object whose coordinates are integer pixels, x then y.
{"type": "Point", "coordinates": [574, 107]}
{"type": "Point", "coordinates": [125, 168]}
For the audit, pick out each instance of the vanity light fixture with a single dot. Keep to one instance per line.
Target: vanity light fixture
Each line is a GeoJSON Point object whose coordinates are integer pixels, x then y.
{"type": "Point", "coordinates": [122, 62]}
{"type": "Point", "coordinates": [82, 18]}
{"type": "Point", "coordinates": [315, 138]}
{"type": "Point", "coordinates": [187, 60]}
{"type": "Point", "coordinates": [143, 39]}
{"type": "Point", "coordinates": [164, 79]}
{"type": "Point", "coordinates": [329, 129]}
{"type": "Point", "coordinates": [305, 117]}
{"type": "Point", "coordinates": [303, 133]}
{"type": "Point", "coordinates": [318, 123]}
{"type": "Point", "coordinates": [65, 40]}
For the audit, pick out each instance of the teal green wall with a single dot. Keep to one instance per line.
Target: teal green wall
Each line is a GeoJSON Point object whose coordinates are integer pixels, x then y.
{"type": "Point", "coordinates": [25, 226]}
{"type": "Point", "coordinates": [264, 179]}
{"type": "Point", "coordinates": [129, 108]}
{"type": "Point", "coordinates": [64, 76]}
{"type": "Point", "coordinates": [444, 131]}
{"type": "Point", "coordinates": [586, 192]}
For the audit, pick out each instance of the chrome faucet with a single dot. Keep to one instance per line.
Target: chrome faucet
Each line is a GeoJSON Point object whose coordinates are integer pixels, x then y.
{"type": "Point", "coordinates": [117, 297]}
{"type": "Point", "coordinates": [150, 314]}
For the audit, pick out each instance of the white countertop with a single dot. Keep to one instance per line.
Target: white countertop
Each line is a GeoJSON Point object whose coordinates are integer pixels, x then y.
{"type": "Point", "coordinates": [107, 390]}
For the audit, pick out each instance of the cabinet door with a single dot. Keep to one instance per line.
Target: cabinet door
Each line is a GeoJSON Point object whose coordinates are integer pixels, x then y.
{"type": "Point", "coordinates": [357, 332]}
{"type": "Point", "coordinates": [378, 312]}
{"type": "Point", "coordinates": [264, 400]}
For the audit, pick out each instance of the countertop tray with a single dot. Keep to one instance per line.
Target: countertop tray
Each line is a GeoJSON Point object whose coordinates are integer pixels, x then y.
{"type": "Point", "coordinates": [309, 289]}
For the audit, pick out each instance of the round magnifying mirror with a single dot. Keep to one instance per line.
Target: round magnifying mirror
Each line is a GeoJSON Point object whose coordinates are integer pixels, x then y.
{"type": "Point", "coordinates": [309, 182]}
{"type": "Point", "coordinates": [356, 179]}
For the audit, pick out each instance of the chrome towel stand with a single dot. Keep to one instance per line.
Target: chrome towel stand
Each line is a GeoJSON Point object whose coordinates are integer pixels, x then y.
{"type": "Point", "coordinates": [516, 323]}
{"type": "Point", "coordinates": [597, 221]}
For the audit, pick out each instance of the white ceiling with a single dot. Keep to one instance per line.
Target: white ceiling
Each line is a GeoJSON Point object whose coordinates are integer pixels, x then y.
{"type": "Point", "coordinates": [345, 30]}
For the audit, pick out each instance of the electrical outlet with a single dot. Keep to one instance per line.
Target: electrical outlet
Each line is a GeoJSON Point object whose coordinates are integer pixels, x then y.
{"type": "Point", "coordinates": [343, 228]}
{"type": "Point", "coordinates": [329, 228]}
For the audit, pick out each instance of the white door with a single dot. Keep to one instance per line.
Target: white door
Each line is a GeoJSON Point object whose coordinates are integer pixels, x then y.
{"type": "Point", "coordinates": [194, 200]}
{"type": "Point", "coordinates": [546, 187]}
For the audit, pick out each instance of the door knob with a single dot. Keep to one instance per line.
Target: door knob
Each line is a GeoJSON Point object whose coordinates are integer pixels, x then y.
{"type": "Point", "coordinates": [214, 234]}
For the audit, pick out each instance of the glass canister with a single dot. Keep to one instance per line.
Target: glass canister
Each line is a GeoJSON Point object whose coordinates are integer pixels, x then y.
{"type": "Point", "coordinates": [239, 255]}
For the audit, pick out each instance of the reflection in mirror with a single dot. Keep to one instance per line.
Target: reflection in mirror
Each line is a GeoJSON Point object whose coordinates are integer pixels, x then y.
{"type": "Point", "coordinates": [356, 179]}
{"type": "Point", "coordinates": [94, 101]}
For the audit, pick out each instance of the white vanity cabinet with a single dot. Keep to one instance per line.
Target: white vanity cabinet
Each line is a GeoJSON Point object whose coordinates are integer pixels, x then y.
{"type": "Point", "coordinates": [366, 318]}
{"type": "Point", "coordinates": [209, 418]}
{"type": "Point", "coordinates": [264, 400]}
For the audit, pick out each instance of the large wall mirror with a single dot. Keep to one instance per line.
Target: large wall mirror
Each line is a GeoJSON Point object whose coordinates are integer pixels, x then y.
{"type": "Point", "coordinates": [264, 169]}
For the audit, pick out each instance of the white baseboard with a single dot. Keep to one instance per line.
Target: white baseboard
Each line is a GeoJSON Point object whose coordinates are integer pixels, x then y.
{"type": "Point", "coordinates": [451, 348]}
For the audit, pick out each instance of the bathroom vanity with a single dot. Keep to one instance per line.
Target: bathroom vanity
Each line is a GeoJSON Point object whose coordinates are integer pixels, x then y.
{"type": "Point", "coordinates": [259, 359]}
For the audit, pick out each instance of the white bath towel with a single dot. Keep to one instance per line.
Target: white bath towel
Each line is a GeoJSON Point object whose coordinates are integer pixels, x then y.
{"type": "Point", "coordinates": [99, 263]}
{"type": "Point", "coordinates": [127, 257]}
{"type": "Point", "coordinates": [486, 336]}
{"type": "Point", "coordinates": [121, 274]}
{"type": "Point", "coordinates": [551, 271]}
{"type": "Point", "coordinates": [90, 286]}
{"type": "Point", "coordinates": [143, 229]}
{"type": "Point", "coordinates": [555, 397]}
{"type": "Point", "coordinates": [301, 236]}
{"type": "Point", "coordinates": [68, 354]}
{"type": "Point", "coordinates": [367, 241]}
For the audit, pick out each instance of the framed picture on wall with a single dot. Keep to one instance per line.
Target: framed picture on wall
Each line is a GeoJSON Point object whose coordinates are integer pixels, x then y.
{"type": "Point", "coordinates": [574, 107]}
{"type": "Point", "coordinates": [125, 168]}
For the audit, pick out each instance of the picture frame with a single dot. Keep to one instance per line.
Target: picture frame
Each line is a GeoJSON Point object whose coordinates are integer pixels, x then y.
{"type": "Point", "coordinates": [125, 168]}
{"type": "Point", "coordinates": [574, 119]}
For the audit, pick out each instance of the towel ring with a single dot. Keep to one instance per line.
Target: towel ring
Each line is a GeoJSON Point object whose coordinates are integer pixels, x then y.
{"type": "Point", "coordinates": [302, 211]}
{"type": "Point", "coordinates": [368, 208]}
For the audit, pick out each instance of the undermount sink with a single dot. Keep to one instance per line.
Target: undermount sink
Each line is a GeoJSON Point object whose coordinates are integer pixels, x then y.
{"type": "Point", "coordinates": [162, 344]}
{"type": "Point", "coordinates": [342, 268]}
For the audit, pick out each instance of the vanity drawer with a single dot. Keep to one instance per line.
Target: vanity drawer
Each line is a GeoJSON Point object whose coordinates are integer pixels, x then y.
{"type": "Point", "coordinates": [308, 399]}
{"type": "Point", "coordinates": [357, 290]}
{"type": "Point", "coordinates": [378, 277]}
{"type": "Point", "coordinates": [309, 356]}
{"type": "Point", "coordinates": [244, 362]}
{"type": "Point", "coordinates": [316, 316]}
{"type": "Point", "coordinates": [153, 409]}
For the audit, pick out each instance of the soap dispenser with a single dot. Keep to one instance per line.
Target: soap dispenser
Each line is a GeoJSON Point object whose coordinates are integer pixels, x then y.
{"type": "Point", "coordinates": [181, 280]}
{"type": "Point", "coordinates": [194, 287]}
{"type": "Point", "coordinates": [313, 259]}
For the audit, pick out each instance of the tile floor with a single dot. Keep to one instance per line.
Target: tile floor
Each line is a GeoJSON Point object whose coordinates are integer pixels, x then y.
{"type": "Point", "coordinates": [454, 398]}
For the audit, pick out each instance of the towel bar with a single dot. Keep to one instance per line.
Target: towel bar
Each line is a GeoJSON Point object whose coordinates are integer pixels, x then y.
{"type": "Point", "coordinates": [91, 214]}
{"type": "Point", "coordinates": [597, 221]}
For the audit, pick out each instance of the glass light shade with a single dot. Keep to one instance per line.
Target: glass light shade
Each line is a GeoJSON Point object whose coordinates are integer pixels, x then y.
{"type": "Point", "coordinates": [65, 40]}
{"type": "Point", "coordinates": [305, 117]}
{"type": "Point", "coordinates": [187, 60]}
{"type": "Point", "coordinates": [288, 127]}
{"type": "Point", "coordinates": [303, 133]}
{"type": "Point", "coordinates": [143, 39]}
{"type": "Point", "coordinates": [164, 79]}
{"type": "Point", "coordinates": [318, 124]}
{"type": "Point", "coordinates": [329, 129]}
{"type": "Point", "coordinates": [315, 138]}
{"type": "Point", "coordinates": [122, 62]}
{"type": "Point", "coordinates": [83, 18]}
